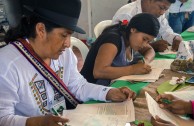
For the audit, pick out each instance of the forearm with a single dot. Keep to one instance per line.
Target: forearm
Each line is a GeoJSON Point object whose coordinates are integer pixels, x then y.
{"type": "Point", "coordinates": [166, 32]}
{"type": "Point", "coordinates": [13, 120]}
{"type": "Point", "coordinates": [109, 72]}
{"type": "Point", "coordinates": [85, 91]}
{"type": "Point", "coordinates": [91, 91]}
{"type": "Point", "coordinates": [148, 54]}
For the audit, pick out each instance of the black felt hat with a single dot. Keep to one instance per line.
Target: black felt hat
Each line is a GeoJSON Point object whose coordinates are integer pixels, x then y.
{"type": "Point", "coordinates": [64, 13]}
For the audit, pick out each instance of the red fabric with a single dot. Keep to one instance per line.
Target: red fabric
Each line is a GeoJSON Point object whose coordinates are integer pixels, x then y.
{"type": "Point", "coordinates": [125, 22]}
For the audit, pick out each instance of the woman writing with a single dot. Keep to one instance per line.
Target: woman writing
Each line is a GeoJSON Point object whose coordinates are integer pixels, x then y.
{"type": "Point", "coordinates": [113, 53]}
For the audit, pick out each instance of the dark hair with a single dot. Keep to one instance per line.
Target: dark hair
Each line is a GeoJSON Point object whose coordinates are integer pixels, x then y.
{"type": "Point", "coordinates": [170, 1]}
{"type": "Point", "coordinates": [129, 1]}
{"type": "Point", "coordinates": [143, 22]}
{"type": "Point", "coordinates": [27, 28]}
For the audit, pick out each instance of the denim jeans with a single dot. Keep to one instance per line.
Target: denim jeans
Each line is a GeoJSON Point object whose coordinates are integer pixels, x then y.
{"type": "Point", "coordinates": [179, 23]}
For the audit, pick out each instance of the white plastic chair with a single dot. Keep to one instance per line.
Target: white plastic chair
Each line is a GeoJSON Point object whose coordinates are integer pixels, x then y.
{"type": "Point", "coordinates": [101, 26]}
{"type": "Point", "coordinates": [81, 46]}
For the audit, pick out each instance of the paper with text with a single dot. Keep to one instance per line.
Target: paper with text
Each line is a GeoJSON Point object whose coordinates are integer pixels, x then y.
{"type": "Point", "coordinates": [123, 108]}
{"type": "Point", "coordinates": [95, 120]}
{"type": "Point", "coordinates": [154, 110]}
{"type": "Point", "coordinates": [151, 77]}
{"type": "Point", "coordinates": [164, 63]}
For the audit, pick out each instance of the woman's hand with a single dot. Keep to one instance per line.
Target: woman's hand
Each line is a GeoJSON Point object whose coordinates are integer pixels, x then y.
{"type": "Point", "coordinates": [120, 94]}
{"type": "Point", "coordinates": [176, 42]}
{"type": "Point", "coordinates": [160, 45]}
{"type": "Point", "coordinates": [141, 68]}
{"type": "Point", "coordinates": [48, 120]}
{"type": "Point", "coordinates": [160, 122]}
{"type": "Point", "coordinates": [177, 106]}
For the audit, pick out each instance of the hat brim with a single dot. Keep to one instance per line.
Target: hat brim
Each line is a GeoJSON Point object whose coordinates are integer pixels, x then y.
{"type": "Point", "coordinates": [79, 30]}
{"type": "Point", "coordinates": [76, 29]}
{"type": "Point", "coordinates": [58, 19]}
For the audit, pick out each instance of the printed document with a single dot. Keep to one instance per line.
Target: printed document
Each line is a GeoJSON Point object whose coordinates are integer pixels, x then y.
{"type": "Point", "coordinates": [102, 114]}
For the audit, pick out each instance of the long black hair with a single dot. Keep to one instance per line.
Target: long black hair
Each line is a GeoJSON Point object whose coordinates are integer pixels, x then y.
{"type": "Point", "coordinates": [143, 22]}
{"type": "Point", "coordinates": [27, 28]}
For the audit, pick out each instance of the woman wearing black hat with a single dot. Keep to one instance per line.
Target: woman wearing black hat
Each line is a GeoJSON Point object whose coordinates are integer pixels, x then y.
{"type": "Point", "coordinates": [38, 73]}
{"type": "Point", "coordinates": [109, 58]}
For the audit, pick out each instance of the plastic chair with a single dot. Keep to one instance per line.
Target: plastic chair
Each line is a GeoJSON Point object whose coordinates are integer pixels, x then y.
{"type": "Point", "coordinates": [81, 46]}
{"type": "Point", "coordinates": [101, 26]}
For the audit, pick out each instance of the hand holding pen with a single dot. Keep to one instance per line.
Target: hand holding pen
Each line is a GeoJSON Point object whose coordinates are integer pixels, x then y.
{"type": "Point", "coordinates": [57, 114]}
{"type": "Point", "coordinates": [174, 104]}
{"type": "Point", "coordinates": [144, 61]}
{"type": "Point", "coordinates": [141, 68]}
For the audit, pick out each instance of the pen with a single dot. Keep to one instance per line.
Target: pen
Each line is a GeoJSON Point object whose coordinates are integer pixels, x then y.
{"type": "Point", "coordinates": [166, 101]}
{"type": "Point", "coordinates": [57, 114]}
{"type": "Point", "coordinates": [144, 61]}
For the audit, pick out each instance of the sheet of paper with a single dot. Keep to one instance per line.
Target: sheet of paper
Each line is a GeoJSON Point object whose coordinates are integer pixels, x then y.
{"type": "Point", "coordinates": [185, 95]}
{"type": "Point", "coordinates": [187, 88]}
{"type": "Point", "coordinates": [151, 77]}
{"type": "Point", "coordinates": [168, 51]}
{"type": "Point", "coordinates": [96, 120]}
{"type": "Point", "coordinates": [154, 110]}
{"type": "Point", "coordinates": [164, 63]}
{"type": "Point", "coordinates": [151, 80]}
{"type": "Point", "coordinates": [123, 108]}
